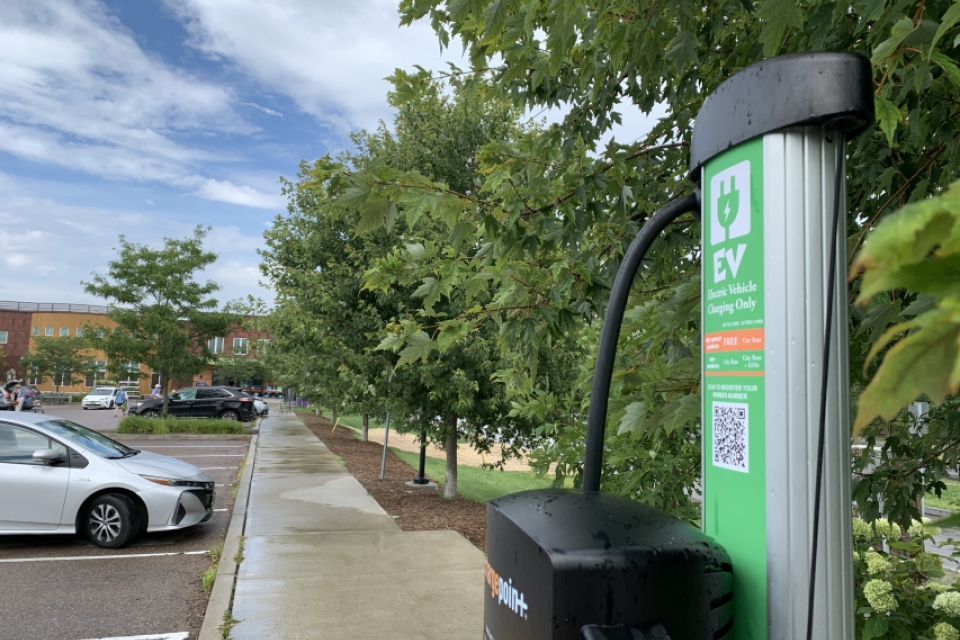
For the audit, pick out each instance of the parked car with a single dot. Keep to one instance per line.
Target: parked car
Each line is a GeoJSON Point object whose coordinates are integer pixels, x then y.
{"type": "Point", "coordinates": [261, 407]}
{"type": "Point", "coordinates": [60, 477]}
{"type": "Point", "coordinates": [100, 398]}
{"type": "Point", "coordinates": [228, 403]}
{"type": "Point", "coordinates": [31, 397]}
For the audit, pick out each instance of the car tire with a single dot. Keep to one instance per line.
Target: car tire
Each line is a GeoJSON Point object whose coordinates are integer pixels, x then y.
{"type": "Point", "coordinates": [230, 414]}
{"type": "Point", "coordinates": [111, 521]}
{"type": "Point", "coordinates": [150, 413]}
{"type": "Point", "coordinates": [85, 408]}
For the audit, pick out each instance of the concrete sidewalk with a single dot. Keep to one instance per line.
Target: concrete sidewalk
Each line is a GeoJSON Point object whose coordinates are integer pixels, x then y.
{"type": "Point", "coordinates": [323, 560]}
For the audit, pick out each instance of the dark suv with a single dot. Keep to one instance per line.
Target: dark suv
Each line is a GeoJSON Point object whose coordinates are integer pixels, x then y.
{"type": "Point", "coordinates": [228, 403]}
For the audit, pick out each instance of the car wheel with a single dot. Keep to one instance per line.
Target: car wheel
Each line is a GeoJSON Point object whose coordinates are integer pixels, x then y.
{"type": "Point", "coordinates": [150, 413]}
{"type": "Point", "coordinates": [112, 521]}
{"type": "Point", "coordinates": [85, 408]}
{"type": "Point", "coordinates": [230, 414]}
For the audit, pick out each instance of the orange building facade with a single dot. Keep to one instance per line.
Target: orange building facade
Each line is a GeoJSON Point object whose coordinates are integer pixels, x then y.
{"type": "Point", "coordinates": [21, 323]}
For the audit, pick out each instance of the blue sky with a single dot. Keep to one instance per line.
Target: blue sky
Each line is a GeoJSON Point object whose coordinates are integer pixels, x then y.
{"type": "Point", "coordinates": [148, 117]}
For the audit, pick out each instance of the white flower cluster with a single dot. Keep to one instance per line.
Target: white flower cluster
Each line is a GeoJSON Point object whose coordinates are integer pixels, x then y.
{"type": "Point", "coordinates": [923, 527]}
{"type": "Point", "coordinates": [949, 603]}
{"type": "Point", "coordinates": [878, 595]}
{"type": "Point", "coordinates": [946, 631]}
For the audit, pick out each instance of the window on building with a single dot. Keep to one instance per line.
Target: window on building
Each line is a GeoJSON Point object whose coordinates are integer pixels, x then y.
{"type": "Point", "coordinates": [130, 375]}
{"type": "Point", "coordinates": [33, 376]}
{"type": "Point", "coordinates": [262, 345]}
{"type": "Point", "coordinates": [36, 331]}
{"type": "Point", "coordinates": [64, 332]}
{"type": "Point", "coordinates": [155, 379]}
{"type": "Point", "coordinates": [3, 337]}
{"type": "Point", "coordinates": [48, 332]}
{"type": "Point", "coordinates": [79, 332]}
{"type": "Point", "coordinates": [97, 374]}
{"type": "Point", "coordinates": [215, 345]}
{"type": "Point", "coordinates": [241, 346]}
{"type": "Point", "coordinates": [63, 379]}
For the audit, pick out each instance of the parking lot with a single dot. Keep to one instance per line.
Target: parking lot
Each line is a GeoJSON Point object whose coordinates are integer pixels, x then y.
{"type": "Point", "coordinates": [62, 587]}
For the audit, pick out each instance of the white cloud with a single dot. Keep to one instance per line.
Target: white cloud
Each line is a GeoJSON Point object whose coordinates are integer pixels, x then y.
{"type": "Point", "coordinates": [226, 191]}
{"type": "Point", "coordinates": [269, 112]}
{"type": "Point", "coordinates": [329, 56]}
{"type": "Point", "coordinates": [79, 92]}
{"type": "Point", "coordinates": [64, 244]}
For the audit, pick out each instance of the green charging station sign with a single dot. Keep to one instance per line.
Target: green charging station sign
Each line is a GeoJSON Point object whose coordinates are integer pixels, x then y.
{"type": "Point", "coordinates": [734, 500]}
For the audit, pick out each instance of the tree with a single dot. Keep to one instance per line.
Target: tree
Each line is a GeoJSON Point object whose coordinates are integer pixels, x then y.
{"type": "Point", "coordinates": [326, 310]}
{"type": "Point", "coordinates": [558, 207]}
{"type": "Point", "coordinates": [61, 359]}
{"type": "Point", "coordinates": [164, 318]}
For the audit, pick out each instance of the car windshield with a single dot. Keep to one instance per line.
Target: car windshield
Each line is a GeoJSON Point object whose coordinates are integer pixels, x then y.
{"type": "Point", "coordinates": [88, 439]}
{"type": "Point", "coordinates": [102, 391]}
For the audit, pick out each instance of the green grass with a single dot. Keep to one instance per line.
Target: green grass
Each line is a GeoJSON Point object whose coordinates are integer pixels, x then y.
{"type": "Point", "coordinates": [137, 424]}
{"type": "Point", "coordinates": [949, 499]}
{"type": "Point", "coordinates": [476, 483]}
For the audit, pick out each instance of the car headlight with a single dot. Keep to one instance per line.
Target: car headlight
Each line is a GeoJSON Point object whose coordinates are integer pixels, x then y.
{"type": "Point", "coordinates": [178, 483]}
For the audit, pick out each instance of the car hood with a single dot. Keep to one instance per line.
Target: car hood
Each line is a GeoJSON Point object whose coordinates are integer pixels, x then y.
{"type": "Point", "coordinates": [146, 463]}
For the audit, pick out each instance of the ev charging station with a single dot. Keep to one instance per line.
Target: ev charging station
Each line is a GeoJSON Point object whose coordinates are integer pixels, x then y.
{"type": "Point", "coordinates": [767, 152]}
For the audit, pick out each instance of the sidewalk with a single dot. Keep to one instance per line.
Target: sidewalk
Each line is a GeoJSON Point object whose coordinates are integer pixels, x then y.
{"type": "Point", "coordinates": [323, 560]}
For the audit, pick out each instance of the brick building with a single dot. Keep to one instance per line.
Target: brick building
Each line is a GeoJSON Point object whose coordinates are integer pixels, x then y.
{"type": "Point", "coordinates": [22, 322]}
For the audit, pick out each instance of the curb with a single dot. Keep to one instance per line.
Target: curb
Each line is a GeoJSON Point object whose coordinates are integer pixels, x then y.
{"type": "Point", "coordinates": [221, 595]}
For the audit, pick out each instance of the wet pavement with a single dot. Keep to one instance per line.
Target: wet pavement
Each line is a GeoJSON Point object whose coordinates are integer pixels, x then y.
{"type": "Point", "coordinates": [323, 560]}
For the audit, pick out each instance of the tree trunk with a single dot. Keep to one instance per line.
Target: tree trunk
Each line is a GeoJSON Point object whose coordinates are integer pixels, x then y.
{"type": "Point", "coordinates": [450, 489]}
{"type": "Point", "coordinates": [316, 410]}
{"type": "Point", "coordinates": [333, 417]}
{"type": "Point", "coordinates": [365, 431]}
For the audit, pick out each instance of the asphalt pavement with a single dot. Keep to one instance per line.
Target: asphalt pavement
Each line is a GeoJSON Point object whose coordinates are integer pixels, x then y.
{"type": "Point", "coordinates": [63, 588]}
{"type": "Point", "coordinates": [96, 419]}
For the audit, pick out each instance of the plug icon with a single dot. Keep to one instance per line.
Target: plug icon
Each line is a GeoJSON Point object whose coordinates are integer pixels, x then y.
{"type": "Point", "coordinates": [730, 207]}
{"type": "Point", "coordinates": [728, 203]}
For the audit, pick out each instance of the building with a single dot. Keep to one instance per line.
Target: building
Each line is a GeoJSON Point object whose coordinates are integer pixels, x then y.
{"type": "Point", "coordinates": [22, 322]}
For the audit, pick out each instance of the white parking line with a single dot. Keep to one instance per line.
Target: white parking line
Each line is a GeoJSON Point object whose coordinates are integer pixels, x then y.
{"type": "Point", "coordinates": [199, 446]}
{"type": "Point", "coordinates": [214, 455]}
{"type": "Point", "coordinates": [126, 555]}
{"type": "Point", "coordinates": [221, 509]}
{"type": "Point", "coordinates": [180, 635]}
{"type": "Point", "coordinates": [215, 468]}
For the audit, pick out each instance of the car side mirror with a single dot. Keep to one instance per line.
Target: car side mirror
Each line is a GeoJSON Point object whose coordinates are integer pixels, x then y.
{"type": "Point", "coordinates": [48, 456]}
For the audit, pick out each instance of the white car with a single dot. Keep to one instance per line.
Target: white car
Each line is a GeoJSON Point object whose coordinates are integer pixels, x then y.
{"type": "Point", "coordinates": [100, 398]}
{"type": "Point", "coordinates": [57, 476]}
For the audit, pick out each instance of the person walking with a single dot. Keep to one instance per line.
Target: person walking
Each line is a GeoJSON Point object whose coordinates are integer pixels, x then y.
{"type": "Point", "coordinates": [19, 396]}
{"type": "Point", "coordinates": [120, 402]}
{"type": "Point", "coordinates": [157, 392]}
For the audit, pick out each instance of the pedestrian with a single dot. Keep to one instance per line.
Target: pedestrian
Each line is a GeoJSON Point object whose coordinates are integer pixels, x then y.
{"type": "Point", "coordinates": [120, 402]}
{"type": "Point", "coordinates": [156, 393]}
{"type": "Point", "coordinates": [19, 396]}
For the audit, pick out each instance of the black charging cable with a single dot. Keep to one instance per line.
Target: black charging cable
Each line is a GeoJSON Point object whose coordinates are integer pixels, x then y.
{"type": "Point", "coordinates": [610, 333]}
{"type": "Point", "coordinates": [827, 336]}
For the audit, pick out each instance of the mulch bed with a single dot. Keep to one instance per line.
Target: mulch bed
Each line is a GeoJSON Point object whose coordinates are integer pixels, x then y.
{"type": "Point", "coordinates": [416, 509]}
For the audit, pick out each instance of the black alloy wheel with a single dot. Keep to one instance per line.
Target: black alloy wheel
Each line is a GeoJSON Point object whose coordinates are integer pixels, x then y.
{"type": "Point", "coordinates": [230, 414]}
{"type": "Point", "coordinates": [150, 413]}
{"type": "Point", "coordinates": [112, 521]}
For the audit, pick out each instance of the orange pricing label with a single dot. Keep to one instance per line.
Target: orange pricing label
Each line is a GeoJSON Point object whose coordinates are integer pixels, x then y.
{"type": "Point", "coordinates": [735, 340]}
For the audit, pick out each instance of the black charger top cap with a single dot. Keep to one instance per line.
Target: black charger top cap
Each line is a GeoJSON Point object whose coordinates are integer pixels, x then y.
{"type": "Point", "coordinates": [786, 91]}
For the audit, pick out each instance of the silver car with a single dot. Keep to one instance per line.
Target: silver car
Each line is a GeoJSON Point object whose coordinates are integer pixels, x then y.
{"type": "Point", "coordinates": [59, 477]}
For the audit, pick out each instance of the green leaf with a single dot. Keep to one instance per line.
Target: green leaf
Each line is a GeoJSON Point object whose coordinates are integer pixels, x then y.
{"type": "Point", "coordinates": [778, 16]}
{"type": "Point", "coordinates": [451, 331]}
{"type": "Point", "coordinates": [889, 117]}
{"type": "Point", "coordinates": [419, 346]}
{"type": "Point", "coordinates": [949, 67]}
{"type": "Point", "coordinates": [375, 215]}
{"type": "Point", "coordinates": [888, 47]}
{"type": "Point", "coordinates": [924, 362]}
{"type": "Point", "coordinates": [634, 419]}
{"type": "Point", "coordinates": [681, 413]}
{"type": "Point", "coordinates": [875, 627]}
{"type": "Point", "coordinates": [950, 18]}
{"type": "Point", "coordinates": [495, 16]}
{"type": "Point", "coordinates": [683, 51]}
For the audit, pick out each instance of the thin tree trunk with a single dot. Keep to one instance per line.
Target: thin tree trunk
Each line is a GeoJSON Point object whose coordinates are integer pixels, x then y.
{"type": "Point", "coordinates": [316, 409]}
{"type": "Point", "coordinates": [450, 489]}
{"type": "Point", "coordinates": [365, 431]}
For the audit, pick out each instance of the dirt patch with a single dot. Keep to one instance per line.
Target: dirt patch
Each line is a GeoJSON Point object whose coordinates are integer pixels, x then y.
{"type": "Point", "coordinates": [415, 509]}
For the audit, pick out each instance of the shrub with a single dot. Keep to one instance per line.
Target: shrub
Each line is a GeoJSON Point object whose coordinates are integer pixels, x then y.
{"type": "Point", "coordinates": [897, 593]}
{"type": "Point", "coordinates": [137, 424]}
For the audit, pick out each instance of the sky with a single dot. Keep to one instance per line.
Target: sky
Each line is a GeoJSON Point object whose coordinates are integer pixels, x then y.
{"type": "Point", "coordinates": [147, 118]}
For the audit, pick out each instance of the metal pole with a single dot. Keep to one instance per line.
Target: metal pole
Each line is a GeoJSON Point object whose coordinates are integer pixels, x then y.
{"type": "Point", "coordinates": [386, 435]}
{"type": "Point", "coordinates": [422, 476]}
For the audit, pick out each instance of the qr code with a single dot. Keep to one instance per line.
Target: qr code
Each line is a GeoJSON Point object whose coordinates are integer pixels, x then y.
{"type": "Point", "coordinates": [731, 424]}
